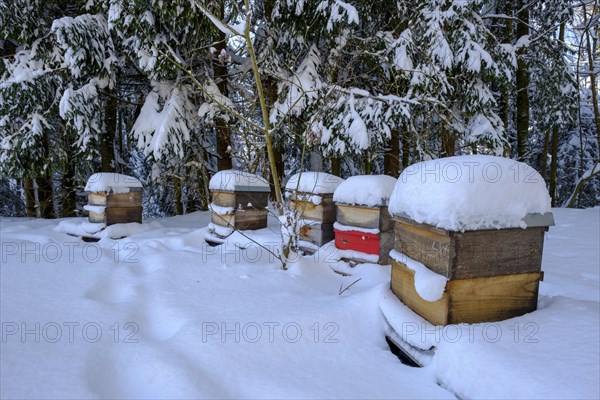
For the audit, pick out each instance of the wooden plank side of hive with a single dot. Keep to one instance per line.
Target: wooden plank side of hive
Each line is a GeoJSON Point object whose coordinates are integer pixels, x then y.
{"type": "Point", "coordinates": [227, 220]}
{"type": "Point", "coordinates": [386, 223]}
{"type": "Point", "coordinates": [317, 234]}
{"type": "Point", "coordinates": [492, 298]}
{"type": "Point", "coordinates": [470, 301]}
{"type": "Point", "coordinates": [362, 217]}
{"type": "Point", "coordinates": [365, 217]}
{"type": "Point", "coordinates": [223, 199]}
{"type": "Point", "coordinates": [426, 244]}
{"type": "Point", "coordinates": [386, 244]}
{"type": "Point", "coordinates": [324, 212]}
{"type": "Point", "coordinates": [129, 199]}
{"type": "Point", "coordinates": [123, 215]}
{"type": "Point", "coordinates": [251, 200]}
{"type": "Point", "coordinates": [97, 198]}
{"type": "Point", "coordinates": [496, 252]}
{"type": "Point", "coordinates": [403, 286]}
{"type": "Point", "coordinates": [95, 217]}
{"type": "Point", "coordinates": [251, 219]}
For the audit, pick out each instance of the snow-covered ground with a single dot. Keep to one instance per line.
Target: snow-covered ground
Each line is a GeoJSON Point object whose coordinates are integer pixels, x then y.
{"type": "Point", "coordinates": [160, 314]}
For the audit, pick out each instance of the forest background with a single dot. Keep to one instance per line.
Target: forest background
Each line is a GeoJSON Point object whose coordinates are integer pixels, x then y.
{"type": "Point", "coordinates": [172, 91]}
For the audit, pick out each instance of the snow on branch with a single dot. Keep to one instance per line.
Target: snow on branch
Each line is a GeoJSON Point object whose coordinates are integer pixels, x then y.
{"type": "Point", "coordinates": [86, 46]}
{"type": "Point", "coordinates": [217, 102]}
{"type": "Point", "coordinates": [235, 30]}
{"type": "Point", "coordinates": [81, 109]}
{"type": "Point", "coordinates": [339, 11]}
{"type": "Point", "coordinates": [165, 121]}
{"type": "Point", "coordinates": [302, 88]}
{"type": "Point", "coordinates": [24, 69]}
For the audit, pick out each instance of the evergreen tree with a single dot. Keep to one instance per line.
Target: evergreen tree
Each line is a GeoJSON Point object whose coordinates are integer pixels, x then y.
{"type": "Point", "coordinates": [170, 91]}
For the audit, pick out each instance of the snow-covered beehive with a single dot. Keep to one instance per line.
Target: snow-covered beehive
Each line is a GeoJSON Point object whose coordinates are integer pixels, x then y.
{"type": "Point", "coordinates": [311, 194]}
{"type": "Point", "coordinates": [114, 198]}
{"type": "Point", "coordinates": [364, 228]}
{"type": "Point", "coordinates": [469, 234]}
{"type": "Point", "coordinates": [239, 201]}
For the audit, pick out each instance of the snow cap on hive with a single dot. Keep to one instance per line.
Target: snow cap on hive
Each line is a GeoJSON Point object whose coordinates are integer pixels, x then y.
{"type": "Point", "coordinates": [365, 190]}
{"type": "Point", "coordinates": [111, 182]}
{"type": "Point", "coordinates": [470, 192]}
{"type": "Point", "coordinates": [233, 180]}
{"type": "Point", "coordinates": [313, 182]}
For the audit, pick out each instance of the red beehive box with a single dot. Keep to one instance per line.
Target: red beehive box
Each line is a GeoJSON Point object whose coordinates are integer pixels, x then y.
{"type": "Point", "coordinates": [364, 242]}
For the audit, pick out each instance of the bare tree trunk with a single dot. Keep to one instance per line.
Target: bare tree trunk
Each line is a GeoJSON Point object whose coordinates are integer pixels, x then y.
{"type": "Point", "coordinates": [204, 193]}
{"type": "Point", "coordinates": [505, 115]}
{"type": "Point", "coordinates": [224, 160]}
{"type": "Point", "coordinates": [107, 150]}
{"type": "Point", "coordinates": [266, 130]}
{"type": "Point", "coordinates": [448, 143]}
{"type": "Point", "coordinates": [522, 85]}
{"type": "Point", "coordinates": [554, 166]}
{"type": "Point", "coordinates": [45, 193]}
{"type": "Point", "coordinates": [555, 132]}
{"type": "Point", "coordinates": [177, 196]}
{"type": "Point", "coordinates": [271, 97]}
{"type": "Point", "coordinates": [391, 158]}
{"type": "Point", "coordinates": [193, 176]}
{"type": "Point", "coordinates": [202, 180]}
{"type": "Point", "coordinates": [278, 151]}
{"type": "Point", "coordinates": [336, 166]}
{"type": "Point", "coordinates": [192, 203]}
{"type": "Point", "coordinates": [367, 164]}
{"type": "Point", "coordinates": [544, 161]}
{"type": "Point", "coordinates": [119, 133]}
{"type": "Point", "coordinates": [29, 197]}
{"type": "Point", "coordinates": [405, 150]}
{"type": "Point", "coordinates": [271, 93]}
{"type": "Point", "coordinates": [505, 98]}
{"type": "Point", "coordinates": [45, 189]}
{"type": "Point", "coordinates": [66, 192]}
{"type": "Point", "coordinates": [69, 196]}
{"type": "Point", "coordinates": [590, 51]}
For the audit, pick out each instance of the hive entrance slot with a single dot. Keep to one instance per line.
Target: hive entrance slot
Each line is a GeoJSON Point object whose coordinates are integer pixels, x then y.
{"type": "Point", "coordinates": [403, 356]}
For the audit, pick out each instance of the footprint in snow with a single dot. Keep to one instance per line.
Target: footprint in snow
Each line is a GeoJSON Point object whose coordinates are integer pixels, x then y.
{"type": "Point", "coordinates": [156, 244]}
{"type": "Point", "coordinates": [114, 289]}
{"type": "Point", "coordinates": [142, 371]}
{"type": "Point", "coordinates": [158, 322]}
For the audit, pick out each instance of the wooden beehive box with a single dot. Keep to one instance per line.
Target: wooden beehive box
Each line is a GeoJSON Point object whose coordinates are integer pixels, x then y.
{"type": "Point", "coordinates": [315, 232]}
{"type": "Point", "coordinates": [492, 274]}
{"type": "Point", "coordinates": [316, 220]}
{"type": "Point", "coordinates": [364, 227]}
{"type": "Point", "coordinates": [485, 248]}
{"type": "Point", "coordinates": [364, 240]}
{"type": "Point", "coordinates": [472, 254]}
{"type": "Point", "coordinates": [239, 200]}
{"type": "Point", "coordinates": [474, 300]}
{"type": "Point", "coordinates": [315, 207]}
{"type": "Point", "coordinates": [311, 195]}
{"type": "Point", "coordinates": [114, 199]}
